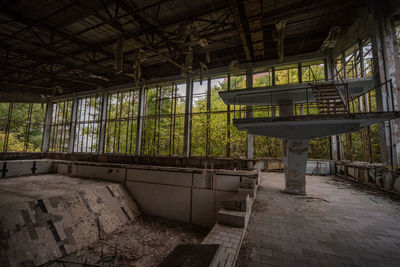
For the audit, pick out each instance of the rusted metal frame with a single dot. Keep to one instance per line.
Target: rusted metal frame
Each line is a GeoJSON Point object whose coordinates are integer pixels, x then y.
{"type": "Point", "coordinates": [369, 144]}
{"type": "Point", "coordinates": [114, 131]}
{"type": "Point", "coordinates": [133, 119]}
{"type": "Point", "coordinates": [97, 122]}
{"type": "Point", "coordinates": [47, 75]}
{"type": "Point", "coordinates": [65, 121]}
{"type": "Point", "coordinates": [53, 126]}
{"type": "Point", "coordinates": [108, 122]}
{"type": "Point", "coordinates": [83, 100]}
{"type": "Point", "coordinates": [142, 116]}
{"type": "Point", "coordinates": [240, 28]}
{"type": "Point", "coordinates": [130, 92]}
{"type": "Point", "coordinates": [78, 125]}
{"type": "Point", "coordinates": [87, 122]}
{"type": "Point", "coordinates": [92, 47]}
{"type": "Point", "coordinates": [155, 120]}
{"type": "Point", "coordinates": [159, 98]}
{"type": "Point", "coordinates": [8, 126]}
{"type": "Point", "coordinates": [107, 43]}
{"type": "Point", "coordinates": [226, 14]}
{"type": "Point", "coordinates": [361, 52]}
{"type": "Point", "coordinates": [28, 126]}
{"type": "Point", "coordinates": [172, 119]}
{"type": "Point", "coordinates": [29, 22]}
{"type": "Point", "coordinates": [60, 127]}
{"type": "Point", "coordinates": [299, 73]}
{"type": "Point", "coordinates": [94, 121]}
{"type": "Point", "coordinates": [364, 144]}
{"type": "Point", "coordinates": [228, 122]}
{"type": "Point", "coordinates": [350, 146]}
{"type": "Point", "coordinates": [78, 134]}
{"type": "Point", "coordinates": [119, 28]}
{"type": "Point", "coordinates": [53, 50]}
{"type": "Point", "coordinates": [119, 121]}
{"type": "Point", "coordinates": [78, 137]}
{"type": "Point", "coordinates": [208, 118]}
{"type": "Point", "coordinates": [44, 19]}
{"type": "Point", "coordinates": [149, 20]}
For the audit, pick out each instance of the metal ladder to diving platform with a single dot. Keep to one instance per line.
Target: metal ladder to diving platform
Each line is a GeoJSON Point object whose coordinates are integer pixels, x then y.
{"type": "Point", "coordinates": [329, 99]}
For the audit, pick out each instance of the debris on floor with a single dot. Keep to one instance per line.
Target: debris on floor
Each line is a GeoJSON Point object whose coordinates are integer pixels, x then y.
{"type": "Point", "coordinates": [145, 242]}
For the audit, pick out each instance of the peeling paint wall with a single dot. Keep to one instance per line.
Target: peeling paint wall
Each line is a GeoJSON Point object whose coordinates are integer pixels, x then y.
{"type": "Point", "coordinates": [374, 175]}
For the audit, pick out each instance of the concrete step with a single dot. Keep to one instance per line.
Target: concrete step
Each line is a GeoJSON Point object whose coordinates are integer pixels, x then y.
{"type": "Point", "coordinates": [232, 218]}
{"type": "Point", "coordinates": [238, 202]}
{"type": "Point", "coordinates": [252, 192]}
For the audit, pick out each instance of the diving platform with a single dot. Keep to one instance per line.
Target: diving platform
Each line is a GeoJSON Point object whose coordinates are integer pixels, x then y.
{"type": "Point", "coordinates": [311, 126]}
{"type": "Point", "coordinates": [326, 108]}
{"type": "Point", "coordinates": [295, 93]}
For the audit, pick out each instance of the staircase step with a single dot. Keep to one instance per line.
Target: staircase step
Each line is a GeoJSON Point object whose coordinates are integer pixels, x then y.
{"type": "Point", "coordinates": [232, 218]}
{"type": "Point", "coordinates": [251, 192]}
{"type": "Point", "coordinates": [238, 202]}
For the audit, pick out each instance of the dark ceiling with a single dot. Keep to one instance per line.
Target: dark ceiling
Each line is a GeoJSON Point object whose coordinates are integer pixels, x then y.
{"type": "Point", "coordinates": [61, 46]}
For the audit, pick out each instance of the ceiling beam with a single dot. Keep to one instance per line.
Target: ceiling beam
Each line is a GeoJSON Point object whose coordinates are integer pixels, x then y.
{"type": "Point", "coordinates": [240, 28]}
{"type": "Point", "coordinates": [119, 28]}
{"type": "Point", "coordinates": [47, 75]}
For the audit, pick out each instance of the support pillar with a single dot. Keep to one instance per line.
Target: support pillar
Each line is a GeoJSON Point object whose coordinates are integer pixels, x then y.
{"type": "Point", "coordinates": [188, 115]}
{"type": "Point", "coordinates": [72, 129]}
{"type": "Point", "coordinates": [249, 114]}
{"type": "Point", "coordinates": [47, 127]}
{"type": "Point", "coordinates": [102, 134]}
{"type": "Point", "coordinates": [295, 155]}
{"type": "Point", "coordinates": [139, 128]}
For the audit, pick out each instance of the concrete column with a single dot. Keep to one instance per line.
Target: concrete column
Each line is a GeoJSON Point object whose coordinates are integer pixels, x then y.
{"type": "Point", "coordinates": [330, 69]}
{"type": "Point", "coordinates": [386, 67]}
{"type": "Point", "coordinates": [249, 114]}
{"type": "Point", "coordinates": [73, 124]}
{"type": "Point", "coordinates": [295, 155]}
{"type": "Point", "coordinates": [102, 134]}
{"type": "Point", "coordinates": [139, 129]}
{"type": "Point", "coordinates": [334, 147]}
{"type": "Point", "coordinates": [47, 127]}
{"type": "Point", "coordinates": [188, 116]}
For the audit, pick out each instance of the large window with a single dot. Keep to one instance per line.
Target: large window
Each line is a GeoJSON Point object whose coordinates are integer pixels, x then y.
{"type": "Point", "coordinates": [163, 122]}
{"type": "Point", "coordinates": [88, 118]}
{"type": "Point", "coordinates": [60, 126]}
{"type": "Point", "coordinates": [121, 122]}
{"type": "Point", "coordinates": [21, 126]}
{"type": "Point", "coordinates": [355, 62]}
{"type": "Point", "coordinates": [267, 147]}
{"type": "Point", "coordinates": [312, 71]}
{"type": "Point", "coordinates": [262, 78]}
{"type": "Point", "coordinates": [213, 132]}
{"type": "Point", "coordinates": [286, 74]}
{"type": "Point", "coordinates": [200, 119]}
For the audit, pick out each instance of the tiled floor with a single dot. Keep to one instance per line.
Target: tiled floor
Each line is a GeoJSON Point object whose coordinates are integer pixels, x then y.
{"type": "Point", "coordinates": [338, 223]}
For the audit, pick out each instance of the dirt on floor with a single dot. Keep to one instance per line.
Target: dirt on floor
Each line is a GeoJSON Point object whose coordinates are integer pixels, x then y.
{"type": "Point", "coordinates": [145, 242]}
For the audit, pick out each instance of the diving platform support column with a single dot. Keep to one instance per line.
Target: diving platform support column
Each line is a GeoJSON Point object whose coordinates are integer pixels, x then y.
{"type": "Point", "coordinates": [295, 155]}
